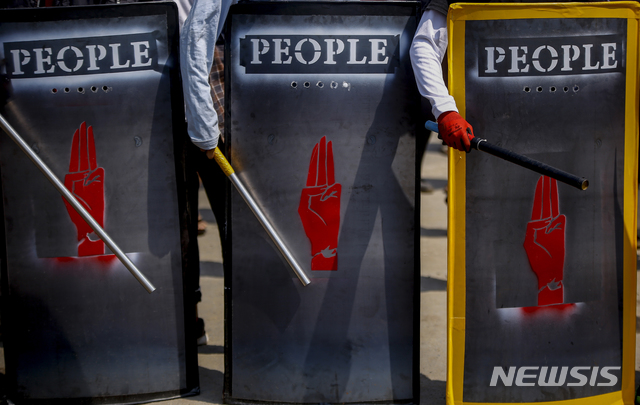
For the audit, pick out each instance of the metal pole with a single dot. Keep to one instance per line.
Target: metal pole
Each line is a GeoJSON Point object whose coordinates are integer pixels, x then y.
{"type": "Point", "coordinates": [228, 170]}
{"type": "Point", "coordinates": [76, 205]}
{"type": "Point", "coordinates": [483, 145]}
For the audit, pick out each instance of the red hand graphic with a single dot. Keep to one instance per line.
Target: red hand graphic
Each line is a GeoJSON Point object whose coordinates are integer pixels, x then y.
{"type": "Point", "coordinates": [85, 181]}
{"type": "Point", "coordinates": [320, 208]}
{"type": "Point", "coordinates": [545, 242]}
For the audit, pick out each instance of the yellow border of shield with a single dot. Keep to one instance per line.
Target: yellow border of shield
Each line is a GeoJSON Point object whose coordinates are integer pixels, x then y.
{"type": "Point", "coordinates": [456, 289]}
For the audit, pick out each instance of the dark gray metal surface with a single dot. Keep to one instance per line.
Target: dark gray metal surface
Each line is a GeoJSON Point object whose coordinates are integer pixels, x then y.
{"type": "Point", "coordinates": [574, 122]}
{"type": "Point", "coordinates": [351, 335]}
{"type": "Point", "coordinates": [81, 326]}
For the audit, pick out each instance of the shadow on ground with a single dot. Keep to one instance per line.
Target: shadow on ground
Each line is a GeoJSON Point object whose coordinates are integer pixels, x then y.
{"type": "Point", "coordinates": [210, 386]}
{"type": "Point", "coordinates": [432, 284]}
{"type": "Point", "coordinates": [207, 215]}
{"type": "Point", "coordinates": [434, 233]}
{"type": "Point", "coordinates": [211, 349]}
{"type": "Point", "coordinates": [437, 184]}
{"type": "Point", "coordinates": [434, 390]}
{"type": "Point", "coordinates": [211, 269]}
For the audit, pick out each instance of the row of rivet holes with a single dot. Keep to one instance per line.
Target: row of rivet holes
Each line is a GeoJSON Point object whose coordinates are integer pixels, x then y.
{"type": "Point", "coordinates": [333, 85]}
{"type": "Point", "coordinates": [552, 89]}
{"type": "Point", "coordinates": [81, 89]}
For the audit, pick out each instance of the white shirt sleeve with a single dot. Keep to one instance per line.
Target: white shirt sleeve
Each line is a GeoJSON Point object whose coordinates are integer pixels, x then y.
{"type": "Point", "coordinates": [427, 52]}
{"type": "Point", "coordinates": [183, 10]}
{"type": "Point", "coordinates": [197, 43]}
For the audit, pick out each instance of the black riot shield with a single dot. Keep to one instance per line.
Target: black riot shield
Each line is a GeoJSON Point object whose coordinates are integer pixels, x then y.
{"type": "Point", "coordinates": [543, 275]}
{"type": "Point", "coordinates": [321, 105]}
{"type": "Point", "coordinates": [95, 92]}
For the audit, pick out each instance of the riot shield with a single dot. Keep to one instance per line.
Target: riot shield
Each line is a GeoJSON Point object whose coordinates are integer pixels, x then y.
{"type": "Point", "coordinates": [542, 275]}
{"type": "Point", "coordinates": [95, 92]}
{"type": "Point", "coordinates": [321, 105]}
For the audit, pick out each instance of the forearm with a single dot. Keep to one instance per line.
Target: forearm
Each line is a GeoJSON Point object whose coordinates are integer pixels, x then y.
{"type": "Point", "coordinates": [197, 43]}
{"type": "Point", "coordinates": [428, 49]}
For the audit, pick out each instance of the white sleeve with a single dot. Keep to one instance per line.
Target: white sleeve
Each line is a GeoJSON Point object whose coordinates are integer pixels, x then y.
{"type": "Point", "coordinates": [197, 44]}
{"type": "Point", "coordinates": [183, 10]}
{"type": "Point", "coordinates": [427, 52]}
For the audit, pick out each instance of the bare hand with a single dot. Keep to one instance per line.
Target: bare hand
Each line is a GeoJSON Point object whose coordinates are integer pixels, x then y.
{"type": "Point", "coordinates": [209, 153]}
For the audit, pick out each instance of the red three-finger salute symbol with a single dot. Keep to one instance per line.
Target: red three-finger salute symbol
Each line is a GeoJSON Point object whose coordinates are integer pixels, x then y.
{"type": "Point", "coordinates": [320, 208]}
{"type": "Point", "coordinates": [85, 181]}
{"type": "Point", "coordinates": [545, 242]}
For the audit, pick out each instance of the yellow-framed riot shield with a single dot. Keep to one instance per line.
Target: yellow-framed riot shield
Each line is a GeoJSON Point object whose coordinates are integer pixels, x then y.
{"type": "Point", "coordinates": [542, 276]}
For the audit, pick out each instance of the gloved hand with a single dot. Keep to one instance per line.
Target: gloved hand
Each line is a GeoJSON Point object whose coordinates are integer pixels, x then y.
{"type": "Point", "coordinates": [455, 131]}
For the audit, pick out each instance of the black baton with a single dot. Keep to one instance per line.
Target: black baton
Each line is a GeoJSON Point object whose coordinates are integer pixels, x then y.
{"type": "Point", "coordinates": [484, 146]}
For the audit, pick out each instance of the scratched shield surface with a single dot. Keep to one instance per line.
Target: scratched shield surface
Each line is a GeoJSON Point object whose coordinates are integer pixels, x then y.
{"type": "Point", "coordinates": [91, 95]}
{"type": "Point", "coordinates": [544, 261]}
{"type": "Point", "coordinates": [321, 130]}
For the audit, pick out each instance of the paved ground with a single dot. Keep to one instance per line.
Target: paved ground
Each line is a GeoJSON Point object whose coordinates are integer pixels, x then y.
{"type": "Point", "coordinates": [433, 242]}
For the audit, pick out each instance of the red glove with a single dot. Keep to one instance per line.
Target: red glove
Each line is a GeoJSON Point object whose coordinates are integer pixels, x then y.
{"type": "Point", "coordinates": [455, 131]}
